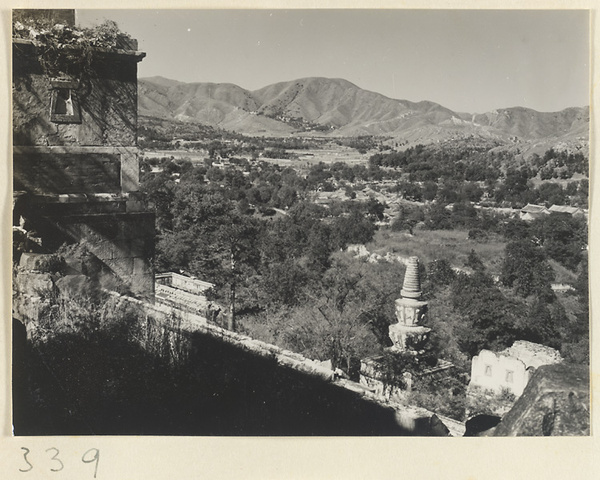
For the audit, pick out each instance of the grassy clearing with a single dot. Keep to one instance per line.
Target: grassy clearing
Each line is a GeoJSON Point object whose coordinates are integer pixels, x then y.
{"type": "Point", "coordinates": [333, 153]}
{"type": "Point", "coordinates": [195, 156]}
{"type": "Point", "coordinates": [536, 181]}
{"type": "Point", "coordinates": [451, 245]}
{"type": "Point", "coordinates": [454, 246]}
{"type": "Point", "coordinates": [563, 274]}
{"type": "Point", "coordinates": [329, 154]}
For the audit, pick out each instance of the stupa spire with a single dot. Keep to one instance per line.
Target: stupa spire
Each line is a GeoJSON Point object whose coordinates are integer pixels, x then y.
{"type": "Point", "coordinates": [411, 288]}
{"type": "Point", "coordinates": [409, 334]}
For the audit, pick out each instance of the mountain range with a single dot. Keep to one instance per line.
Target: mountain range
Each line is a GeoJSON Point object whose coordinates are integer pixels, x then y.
{"type": "Point", "coordinates": [337, 107]}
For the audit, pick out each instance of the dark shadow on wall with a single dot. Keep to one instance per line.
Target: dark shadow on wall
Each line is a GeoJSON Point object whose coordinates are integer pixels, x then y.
{"type": "Point", "coordinates": [109, 386]}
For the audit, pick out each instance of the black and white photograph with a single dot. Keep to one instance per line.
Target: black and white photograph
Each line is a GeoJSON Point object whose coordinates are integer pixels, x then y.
{"type": "Point", "coordinates": [300, 223]}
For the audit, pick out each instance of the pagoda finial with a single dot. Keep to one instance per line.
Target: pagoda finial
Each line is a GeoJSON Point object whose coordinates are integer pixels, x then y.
{"type": "Point", "coordinates": [411, 287]}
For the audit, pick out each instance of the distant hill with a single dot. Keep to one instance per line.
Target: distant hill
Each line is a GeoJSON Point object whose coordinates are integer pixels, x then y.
{"type": "Point", "coordinates": [339, 108]}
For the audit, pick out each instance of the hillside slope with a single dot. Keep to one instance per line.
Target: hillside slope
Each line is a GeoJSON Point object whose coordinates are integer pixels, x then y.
{"type": "Point", "coordinates": [340, 108]}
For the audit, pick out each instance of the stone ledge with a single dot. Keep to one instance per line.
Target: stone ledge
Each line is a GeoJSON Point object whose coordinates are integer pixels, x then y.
{"type": "Point", "coordinates": [138, 55]}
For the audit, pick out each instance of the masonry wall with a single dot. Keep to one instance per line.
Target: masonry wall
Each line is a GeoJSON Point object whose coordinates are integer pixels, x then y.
{"type": "Point", "coordinates": [490, 371]}
{"type": "Point", "coordinates": [78, 181]}
{"type": "Point", "coordinates": [97, 154]}
{"type": "Point", "coordinates": [107, 96]}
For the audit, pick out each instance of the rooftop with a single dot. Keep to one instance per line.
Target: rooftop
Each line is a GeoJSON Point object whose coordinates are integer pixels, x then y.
{"type": "Point", "coordinates": [564, 209]}
{"type": "Point", "coordinates": [531, 208]}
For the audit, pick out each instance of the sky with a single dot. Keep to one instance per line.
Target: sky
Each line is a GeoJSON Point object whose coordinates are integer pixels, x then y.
{"type": "Point", "coordinates": [466, 60]}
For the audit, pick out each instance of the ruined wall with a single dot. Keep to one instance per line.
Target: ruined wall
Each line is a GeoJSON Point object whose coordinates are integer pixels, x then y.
{"type": "Point", "coordinates": [78, 176]}
{"type": "Point", "coordinates": [497, 372]}
{"type": "Point", "coordinates": [95, 154]}
{"type": "Point", "coordinates": [107, 97]}
{"type": "Point", "coordinates": [555, 403]}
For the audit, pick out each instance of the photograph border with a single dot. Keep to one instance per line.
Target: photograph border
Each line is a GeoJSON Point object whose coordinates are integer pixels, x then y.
{"type": "Point", "coordinates": [293, 457]}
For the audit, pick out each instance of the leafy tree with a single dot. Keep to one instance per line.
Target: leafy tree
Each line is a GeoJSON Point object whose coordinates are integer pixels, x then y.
{"type": "Point", "coordinates": [576, 335]}
{"type": "Point", "coordinates": [449, 192]}
{"type": "Point", "coordinates": [353, 229]}
{"type": "Point", "coordinates": [210, 239]}
{"type": "Point", "coordinates": [541, 324]}
{"type": "Point", "coordinates": [474, 262]}
{"type": "Point", "coordinates": [160, 194]}
{"type": "Point", "coordinates": [336, 324]}
{"type": "Point", "coordinates": [411, 191]}
{"type": "Point", "coordinates": [488, 317]}
{"type": "Point", "coordinates": [471, 191]}
{"type": "Point", "coordinates": [437, 217]}
{"type": "Point", "coordinates": [463, 214]}
{"type": "Point", "coordinates": [516, 187]}
{"type": "Point", "coordinates": [374, 208]}
{"type": "Point", "coordinates": [286, 196]}
{"type": "Point", "coordinates": [583, 192]}
{"type": "Point", "coordinates": [234, 246]}
{"type": "Point", "coordinates": [562, 237]}
{"type": "Point", "coordinates": [525, 268]}
{"type": "Point", "coordinates": [551, 194]}
{"type": "Point", "coordinates": [429, 190]}
{"type": "Point", "coordinates": [440, 272]}
{"type": "Point", "coordinates": [516, 229]}
{"type": "Point", "coordinates": [285, 283]}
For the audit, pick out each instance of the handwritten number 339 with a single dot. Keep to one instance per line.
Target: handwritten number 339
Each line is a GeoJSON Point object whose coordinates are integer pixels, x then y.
{"type": "Point", "coordinates": [91, 456]}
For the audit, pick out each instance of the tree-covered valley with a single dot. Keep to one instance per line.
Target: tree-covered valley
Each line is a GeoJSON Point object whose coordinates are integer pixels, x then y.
{"type": "Point", "coordinates": [271, 229]}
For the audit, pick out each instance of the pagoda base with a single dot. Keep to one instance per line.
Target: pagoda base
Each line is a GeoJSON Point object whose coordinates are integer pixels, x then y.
{"type": "Point", "coordinates": [408, 338]}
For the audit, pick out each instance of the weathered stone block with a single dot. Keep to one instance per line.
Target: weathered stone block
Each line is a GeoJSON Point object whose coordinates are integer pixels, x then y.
{"type": "Point", "coordinates": [122, 267]}
{"type": "Point", "coordinates": [141, 266]}
{"type": "Point", "coordinates": [40, 284]}
{"type": "Point", "coordinates": [108, 102]}
{"type": "Point", "coordinates": [138, 247]}
{"type": "Point", "coordinates": [142, 285]}
{"type": "Point", "coordinates": [556, 402]}
{"type": "Point", "coordinates": [42, 262]}
{"type": "Point", "coordinates": [49, 173]}
{"type": "Point", "coordinates": [73, 286]}
{"type": "Point", "coordinates": [28, 308]}
{"type": "Point", "coordinates": [130, 172]}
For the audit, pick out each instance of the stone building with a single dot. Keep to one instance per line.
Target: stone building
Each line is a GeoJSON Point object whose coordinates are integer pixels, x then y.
{"type": "Point", "coordinates": [75, 155]}
{"type": "Point", "coordinates": [498, 379]}
{"type": "Point", "coordinates": [184, 293]}
{"type": "Point", "coordinates": [531, 212]}
{"type": "Point", "coordinates": [511, 368]}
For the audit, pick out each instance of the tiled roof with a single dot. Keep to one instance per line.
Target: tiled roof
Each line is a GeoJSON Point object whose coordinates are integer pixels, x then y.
{"type": "Point", "coordinates": [531, 208]}
{"type": "Point", "coordinates": [564, 209]}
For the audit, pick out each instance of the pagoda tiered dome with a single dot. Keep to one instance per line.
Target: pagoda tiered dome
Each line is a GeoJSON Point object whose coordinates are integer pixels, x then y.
{"type": "Point", "coordinates": [411, 288]}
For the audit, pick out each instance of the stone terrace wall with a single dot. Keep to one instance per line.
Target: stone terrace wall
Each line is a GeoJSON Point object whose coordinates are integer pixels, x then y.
{"type": "Point", "coordinates": [404, 420]}
{"type": "Point", "coordinates": [174, 373]}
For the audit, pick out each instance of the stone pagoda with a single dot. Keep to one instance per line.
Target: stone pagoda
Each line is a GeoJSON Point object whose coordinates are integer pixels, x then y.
{"type": "Point", "coordinates": [408, 334]}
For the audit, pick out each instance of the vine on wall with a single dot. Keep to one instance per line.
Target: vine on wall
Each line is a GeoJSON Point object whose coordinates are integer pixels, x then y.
{"type": "Point", "coordinates": [66, 52]}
